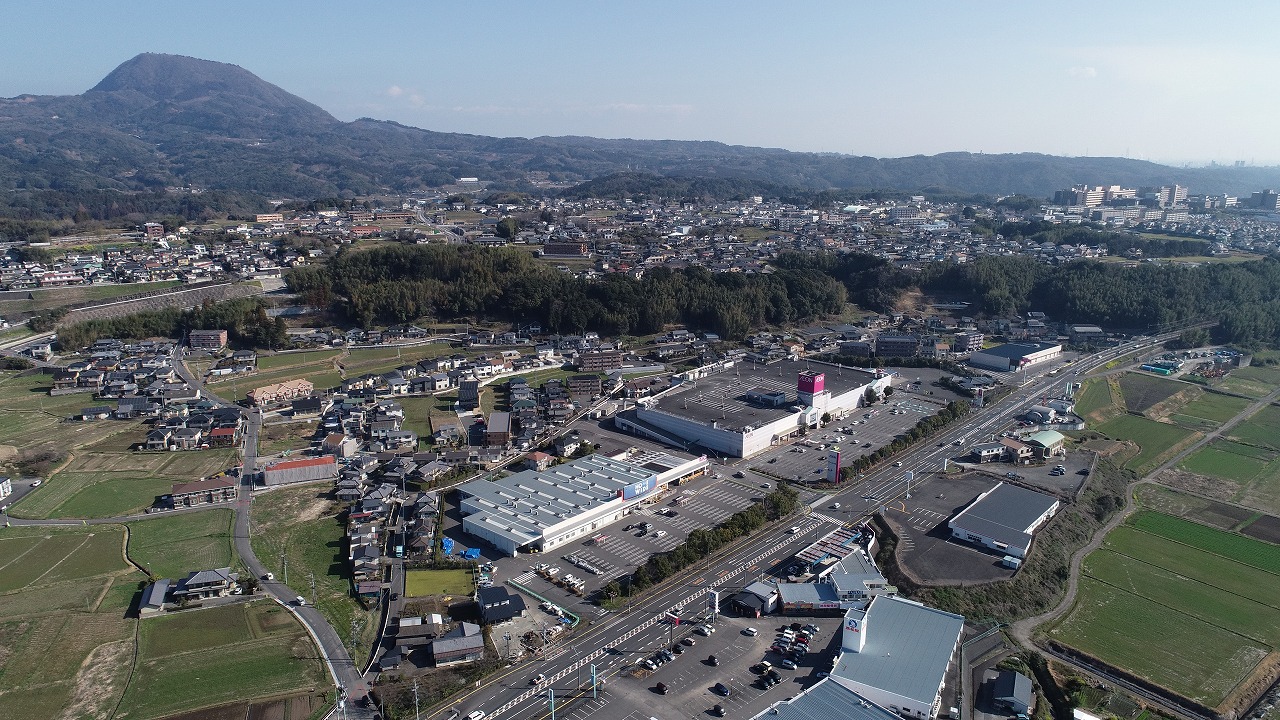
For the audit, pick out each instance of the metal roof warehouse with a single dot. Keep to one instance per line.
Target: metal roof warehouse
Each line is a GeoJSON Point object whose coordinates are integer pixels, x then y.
{"type": "Point", "coordinates": [1004, 518]}
{"type": "Point", "coordinates": [535, 511]}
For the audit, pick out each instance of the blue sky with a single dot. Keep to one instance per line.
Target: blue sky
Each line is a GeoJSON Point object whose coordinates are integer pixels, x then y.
{"type": "Point", "coordinates": [1166, 81]}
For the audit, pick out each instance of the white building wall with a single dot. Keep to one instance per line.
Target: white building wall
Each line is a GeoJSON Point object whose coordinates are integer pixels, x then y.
{"type": "Point", "coordinates": [721, 440]}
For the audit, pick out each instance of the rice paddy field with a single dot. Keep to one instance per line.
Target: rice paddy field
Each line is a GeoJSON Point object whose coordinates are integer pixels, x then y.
{"type": "Point", "coordinates": [1184, 605]}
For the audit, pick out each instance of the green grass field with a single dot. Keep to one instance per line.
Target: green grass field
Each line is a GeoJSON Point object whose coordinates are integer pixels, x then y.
{"type": "Point", "coordinates": [1154, 439]}
{"type": "Point", "coordinates": [34, 556]}
{"type": "Point", "coordinates": [175, 545]}
{"type": "Point", "coordinates": [1226, 460]}
{"type": "Point", "coordinates": [1095, 396]}
{"type": "Point", "coordinates": [1227, 576]}
{"type": "Point", "coordinates": [295, 359]}
{"type": "Point", "coordinates": [1262, 429]}
{"type": "Point", "coordinates": [1169, 588]}
{"type": "Point", "coordinates": [63, 588]}
{"type": "Point", "coordinates": [1245, 385]}
{"type": "Point", "coordinates": [1247, 551]}
{"type": "Point", "coordinates": [51, 298]}
{"type": "Point", "coordinates": [1180, 652]}
{"type": "Point", "coordinates": [1215, 407]}
{"type": "Point", "coordinates": [302, 524]}
{"type": "Point", "coordinates": [255, 656]}
{"type": "Point", "coordinates": [420, 583]}
{"type": "Point", "coordinates": [113, 484]}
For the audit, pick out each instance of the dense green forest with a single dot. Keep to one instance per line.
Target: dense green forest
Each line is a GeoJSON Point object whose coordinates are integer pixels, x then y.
{"type": "Point", "coordinates": [404, 283]}
{"type": "Point", "coordinates": [244, 319]}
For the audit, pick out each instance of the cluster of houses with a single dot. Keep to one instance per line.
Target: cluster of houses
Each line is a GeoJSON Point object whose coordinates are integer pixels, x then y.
{"type": "Point", "coordinates": [140, 377]}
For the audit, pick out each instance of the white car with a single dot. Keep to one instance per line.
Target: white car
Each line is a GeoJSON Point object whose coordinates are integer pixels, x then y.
{"type": "Point", "coordinates": [751, 632]}
{"type": "Point", "coordinates": [660, 534]}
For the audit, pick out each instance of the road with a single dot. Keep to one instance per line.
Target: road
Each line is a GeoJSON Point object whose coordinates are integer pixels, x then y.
{"type": "Point", "coordinates": [625, 637]}
{"type": "Point", "coordinates": [342, 668]}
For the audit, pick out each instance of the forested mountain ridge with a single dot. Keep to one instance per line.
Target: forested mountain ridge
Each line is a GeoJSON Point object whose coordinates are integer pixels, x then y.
{"type": "Point", "coordinates": [166, 120]}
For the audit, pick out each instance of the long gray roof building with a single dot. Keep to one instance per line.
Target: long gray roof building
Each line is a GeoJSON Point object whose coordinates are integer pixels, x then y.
{"type": "Point", "coordinates": [544, 509]}
{"type": "Point", "coordinates": [1004, 518]}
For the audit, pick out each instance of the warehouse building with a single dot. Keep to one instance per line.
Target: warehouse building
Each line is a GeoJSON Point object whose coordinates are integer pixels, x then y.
{"type": "Point", "coordinates": [536, 511]}
{"type": "Point", "coordinates": [893, 662]}
{"type": "Point", "coordinates": [1015, 356]}
{"type": "Point", "coordinates": [741, 408]}
{"type": "Point", "coordinates": [1004, 519]}
{"type": "Point", "coordinates": [324, 467]}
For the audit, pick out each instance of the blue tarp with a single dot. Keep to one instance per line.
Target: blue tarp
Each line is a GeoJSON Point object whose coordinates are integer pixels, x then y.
{"type": "Point", "coordinates": [471, 554]}
{"type": "Point", "coordinates": [447, 543]}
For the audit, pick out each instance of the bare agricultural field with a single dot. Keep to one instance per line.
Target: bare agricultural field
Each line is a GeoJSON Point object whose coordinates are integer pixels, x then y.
{"type": "Point", "coordinates": [1193, 507]}
{"type": "Point", "coordinates": [1142, 391]}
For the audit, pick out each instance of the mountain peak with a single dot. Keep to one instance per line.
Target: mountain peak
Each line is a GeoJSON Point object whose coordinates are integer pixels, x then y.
{"type": "Point", "coordinates": [185, 80]}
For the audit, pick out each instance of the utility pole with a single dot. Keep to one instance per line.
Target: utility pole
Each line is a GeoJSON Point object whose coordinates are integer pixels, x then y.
{"type": "Point", "coordinates": [415, 699]}
{"type": "Point", "coordinates": [551, 698]}
{"type": "Point", "coordinates": [284, 561]}
{"type": "Point", "coordinates": [311, 578]}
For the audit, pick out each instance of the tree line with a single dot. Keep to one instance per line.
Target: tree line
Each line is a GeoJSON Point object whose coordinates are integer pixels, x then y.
{"type": "Point", "coordinates": [403, 283]}
{"type": "Point", "coordinates": [245, 320]}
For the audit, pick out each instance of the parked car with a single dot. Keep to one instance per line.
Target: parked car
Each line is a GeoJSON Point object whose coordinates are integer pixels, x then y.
{"type": "Point", "coordinates": [751, 632]}
{"type": "Point", "coordinates": [715, 661]}
{"type": "Point", "coordinates": [689, 641]}
{"type": "Point", "coordinates": [722, 689]}
{"type": "Point", "coordinates": [661, 688]}
{"type": "Point", "coordinates": [788, 664]}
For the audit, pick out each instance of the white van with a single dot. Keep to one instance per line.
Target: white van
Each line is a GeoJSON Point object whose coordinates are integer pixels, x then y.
{"type": "Point", "coordinates": [300, 601]}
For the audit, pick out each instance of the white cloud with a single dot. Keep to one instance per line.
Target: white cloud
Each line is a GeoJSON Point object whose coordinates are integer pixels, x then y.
{"type": "Point", "coordinates": [395, 91]}
{"type": "Point", "coordinates": [1082, 71]}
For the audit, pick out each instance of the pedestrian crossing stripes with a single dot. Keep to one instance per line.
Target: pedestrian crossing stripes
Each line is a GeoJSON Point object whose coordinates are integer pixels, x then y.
{"type": "Point", "coordinates": [524, 578]}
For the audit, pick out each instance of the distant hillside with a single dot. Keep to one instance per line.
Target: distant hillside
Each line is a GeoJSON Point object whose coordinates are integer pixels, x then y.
{"type": "Point", "coordinates": [165, 120]}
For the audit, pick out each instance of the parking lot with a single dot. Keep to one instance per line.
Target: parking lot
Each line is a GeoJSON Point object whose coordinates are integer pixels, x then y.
{"type": "Point", "coordinates": [857, 434]}
{"type": "Point", "coordinates": [690, 677]}
{"type": "Point", "coordinates": [702, 503]}
{"type": "Point", "coordinates": [925, 546]}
